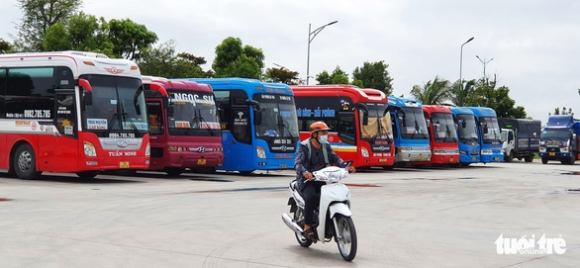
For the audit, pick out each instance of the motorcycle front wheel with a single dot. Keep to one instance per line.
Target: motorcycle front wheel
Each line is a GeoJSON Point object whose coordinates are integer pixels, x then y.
{"type": "Point", "coordinates": [299, 219]}
{"type": "Point", "coordinates": [346, 237]}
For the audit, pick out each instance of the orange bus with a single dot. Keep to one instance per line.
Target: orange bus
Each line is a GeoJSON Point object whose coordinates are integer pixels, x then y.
{"type": "Point", "coordinates": [361, 128]}
{"type": "Point", "coordinates": [442, 136]}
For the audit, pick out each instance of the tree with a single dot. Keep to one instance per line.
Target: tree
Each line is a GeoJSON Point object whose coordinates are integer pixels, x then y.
{"type": "Point", "coordinates": [435, 92]}
{"type": "Point", "coordinates": [5, 47]}
{"type": "Point", "coordinates": [162, 61]}
{"type": "Point", "coordinates": [39, 15]}
{"type": "Point", "coordinates": [129, 38]}
{"type": "Point", "coordinates": [82, 32]}
{"type": "Point", "coordinates": [374, 75]}
{"type": "Point", "coordinates": [282, 75]}
{"type": "Point", "coordinates": [233, 60]}
{"type": "Point", "coordinates": [338, 76]}
{"type": "Point", "coordinates": [461, 95]}
{"type": "Point", "coordinates": [557, 111]}
{"type": "Point", "coordinates": [486, 95]}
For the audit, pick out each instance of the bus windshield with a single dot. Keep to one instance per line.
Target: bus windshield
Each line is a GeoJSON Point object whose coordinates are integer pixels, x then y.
{"type": "Point", "coordinates": [412, 123]}
{"type": "Point", "coordinates": [467, 133]}
{"type": "Point", "coordinates": [194, 115]}
{"type": "Point", "coordinates": [278, 117]}
{"type": "Point", "coordinates": [379, 125]}
{"type": "Point", "coordinates": [493, 129]}
{"type": "Point", "coordinates": [118, 107]}
{"type": "Point", "coordinates": [553, 134]}
{"type": "Point", "coordinates": [443, 127]}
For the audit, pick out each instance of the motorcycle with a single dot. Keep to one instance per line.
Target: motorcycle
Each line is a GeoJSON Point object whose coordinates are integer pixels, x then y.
{"type": "Point", "coordinates": [332, 218]}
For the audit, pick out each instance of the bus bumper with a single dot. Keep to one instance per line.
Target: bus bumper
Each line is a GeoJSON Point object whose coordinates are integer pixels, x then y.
{"type": "Point", "coordinates": [113, 163]}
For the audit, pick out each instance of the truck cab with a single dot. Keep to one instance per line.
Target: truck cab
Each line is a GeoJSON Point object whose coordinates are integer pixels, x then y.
{"type": "Point", "coordinates": [559, 139]}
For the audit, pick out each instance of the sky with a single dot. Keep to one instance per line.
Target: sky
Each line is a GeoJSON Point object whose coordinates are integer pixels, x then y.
{"type": "Point", "coordinates": [531, 46]}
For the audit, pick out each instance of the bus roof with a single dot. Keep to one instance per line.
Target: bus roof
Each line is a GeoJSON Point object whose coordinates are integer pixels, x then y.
{"type": "Point", "coordinates": [178, 84]}
{"type": "Point", "coordinates": [78, 61]}
{"type": "Point", "coordinates": [461, 110]}
{"type": "Point", "coordinates": [437, 109]}
{"type": "Point", "coordinates": [364, 94]}
{"type": "Point", "coordinates": [403, 102]}
{"type": "Point", "coordinates": [253, 85]}
{"type": "Point", "coordinates": [482, 111]}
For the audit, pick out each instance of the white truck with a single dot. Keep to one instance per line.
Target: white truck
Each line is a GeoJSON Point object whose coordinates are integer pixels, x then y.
{"type": "Point", "coordinates": [520, 138]}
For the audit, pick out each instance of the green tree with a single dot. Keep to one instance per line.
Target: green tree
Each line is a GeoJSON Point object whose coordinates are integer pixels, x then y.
{"type": "Point", "coordinates": [374, 75]}
{"type": "Point", "coordinates": [432, 92]}
{"type": "Point", "coordinates": [338, 76]}
{"type": "Point", "coordinates": [487, 95]}
{"type": "Point", "coordinates": [129, 38]}
{"type": "Point", "coordinates": [82, 32]}
{"type": "Point", "coordinates": [282, 75]}
{"type": "Point", "coordinates": [5, 47]}
{"type": "Point", "coordinates": [460, 95]}
{"type": "Point", "coordinates": [39, 15]}
{"type": "Point", "coordinates": [162, 61]}
{"type": "Point", "coordinates": [234, 60]}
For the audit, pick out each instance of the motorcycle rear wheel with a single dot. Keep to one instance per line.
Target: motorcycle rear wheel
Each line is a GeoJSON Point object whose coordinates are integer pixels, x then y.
{"type": "Point", "coordinates": [346, 237]}
{"type": "Point", "coordinates": [299, 219]}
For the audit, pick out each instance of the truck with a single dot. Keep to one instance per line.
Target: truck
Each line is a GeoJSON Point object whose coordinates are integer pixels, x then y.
{"type": "Point", "coordinates": [559, 139]}
{"type": "Point", "coordinates": [520, 138]}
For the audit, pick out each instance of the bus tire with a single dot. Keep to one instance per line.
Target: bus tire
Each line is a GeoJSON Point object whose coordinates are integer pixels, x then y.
{"type": "Point", "coordinates": [24, 162]}
{"type": "Point", "coordinates": [88, 174]}
{"type": "Point", "coordinates": [174, 172]}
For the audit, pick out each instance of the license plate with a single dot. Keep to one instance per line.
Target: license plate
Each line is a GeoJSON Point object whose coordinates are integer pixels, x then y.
{"type": "Point", "coordinates": [124, 164]}
{"type": "Point", "coordinates": [497, 159]}
{"type": "Point", "coordinates": [284, 166]}
{"type": "Point", "coordinates": [382, 160]}
{"type": "Point", "coordinates": [552, 154]}
{"type": "Point", "coordinates": [420, 157]}
{"type": "Point", "coordinates": [451, 160]}
{"type": "Point", "coordinates": [201, 161]}
{"type": "Point", "coordinates": [473, 158]}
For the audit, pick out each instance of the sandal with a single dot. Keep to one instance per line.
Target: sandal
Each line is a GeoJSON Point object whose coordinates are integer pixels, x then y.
{"type": "Point", "coordinates": [308, 232]}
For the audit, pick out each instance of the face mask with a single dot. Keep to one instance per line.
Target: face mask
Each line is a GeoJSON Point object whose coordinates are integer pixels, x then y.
{"type": "Point", "coordinates": [323, 139]}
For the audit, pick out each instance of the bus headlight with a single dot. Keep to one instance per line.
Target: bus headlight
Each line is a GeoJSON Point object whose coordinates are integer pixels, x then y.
{"type": "Point", "coordinates": [147, 150]}
{"type": "Point", "coordinates": [463, 152]}
{"type": "Point", "coordinates": [260, 152]}
{"type": "Point", "coordinates": [90, 149]}
{"type": "Point", "coordinates": [364, 152]}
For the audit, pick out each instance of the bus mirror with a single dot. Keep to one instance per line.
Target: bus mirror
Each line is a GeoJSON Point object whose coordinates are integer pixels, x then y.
{"type": "Point", "coordinates": [88, 98]}
{"type": "Point", "coordinates": [159, 88]}
{"type": "Point", "coordinates": [170, 110]}
{"type": "Point", "coordinates": [485, 130]}
{"type": "Point", "coordinates": [365, 119]}
{"type": "Point", "coordinates": [463, 124]}
{"type": "Point", "coordinates": [257, 117]}
{"type": "Point", "coordinates": [85, 84]}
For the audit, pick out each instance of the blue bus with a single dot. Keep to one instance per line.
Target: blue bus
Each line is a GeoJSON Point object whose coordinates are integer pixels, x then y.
{"type": "Point", "coordinates": [467, 134]}
{"type": "Point", "coordinates": [258, 121]}
{"type": "Point", "coordinates": [410, 132]}
{"type": "Point", "coordinates": [489, 134]}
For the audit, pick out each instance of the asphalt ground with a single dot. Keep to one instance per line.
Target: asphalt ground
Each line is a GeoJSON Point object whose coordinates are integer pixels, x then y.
{"type": "Point", "coordinates": [408, 217]}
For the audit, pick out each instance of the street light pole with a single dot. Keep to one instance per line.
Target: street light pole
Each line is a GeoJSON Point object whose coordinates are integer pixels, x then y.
{"type": "Point", "coordinates": [484, 62]}
{"type": "Point", "coordinates": [461, 63]}
{"type": "Point", "coordinates": [311, 35]}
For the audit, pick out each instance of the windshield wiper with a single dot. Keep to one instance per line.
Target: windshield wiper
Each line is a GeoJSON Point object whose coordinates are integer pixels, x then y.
{"type": "Point", "coordinates": [113, 120]}
{"type": "Point", "coordinates": [284, 127]}
{"type": "Point", "coordinates": [125, 117]}
{"type": "Point", "coordinates": [202, 120]}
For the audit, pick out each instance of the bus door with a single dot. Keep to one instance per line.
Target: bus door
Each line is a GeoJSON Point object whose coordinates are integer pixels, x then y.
{"type": "Point", "coordinates": [157, 123]}
{"type": "Point", "coordinates": [61, 147]}
{"type": "Point", "coordinates": [236, 125]}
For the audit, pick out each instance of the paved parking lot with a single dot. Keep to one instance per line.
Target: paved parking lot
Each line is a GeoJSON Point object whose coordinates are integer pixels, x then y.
{"type": "Point", "coordinates": [425, 217]}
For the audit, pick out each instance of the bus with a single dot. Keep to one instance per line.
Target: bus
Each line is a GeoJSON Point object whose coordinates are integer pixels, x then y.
{"type": "Point", "coordinates": [258, 122]}
{"type": "Point", "coordinates": [489, 134]}
{"type": "Point", "coordinates": [71, 111]}
{"type": "Point", "coordinates": [442, 135]}
{"type": "Point", "coordinates": [359, 121]}
{"type": "Point", "coordinates": [409, 130]}
{"type": "Point", "coordinates": [184, 127]}
{"type": "Point", "coordinates": [467, 134]}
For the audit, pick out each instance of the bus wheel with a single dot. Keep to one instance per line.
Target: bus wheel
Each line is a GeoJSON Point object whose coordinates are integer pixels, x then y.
{"type": "Point", "coordinates": [24, 163]}
{"type": "Point", "coordinates": [174, 171]}
{"type": "Point", "coordinates": [89, 174]}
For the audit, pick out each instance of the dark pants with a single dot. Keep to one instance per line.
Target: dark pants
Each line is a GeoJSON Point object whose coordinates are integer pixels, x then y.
{"type": "Point", "coordinates": [311, 195]}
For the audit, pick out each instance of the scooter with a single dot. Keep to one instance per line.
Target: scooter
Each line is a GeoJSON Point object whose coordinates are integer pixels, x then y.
{"type": "Point", "coordinates": [333, 216]}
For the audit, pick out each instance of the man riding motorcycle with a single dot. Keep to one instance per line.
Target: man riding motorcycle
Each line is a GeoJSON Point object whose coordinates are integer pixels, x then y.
{"type": "Point", "coordinates": [314, 154]}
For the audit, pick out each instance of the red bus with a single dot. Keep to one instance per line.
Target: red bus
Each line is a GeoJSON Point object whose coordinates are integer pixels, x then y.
{"type": "Point", "coordinates": [184, 126]}
{"type": "Point", "coordinates": [442, 136]}
{"type": "Point", "coordinates": [361, 128]}
{"type": "Point", "coordinates": [71, 111]}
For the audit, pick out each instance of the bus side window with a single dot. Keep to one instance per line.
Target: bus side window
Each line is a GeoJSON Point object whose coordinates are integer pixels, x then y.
{"type": "Point", "coordinates": [395, 129]}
